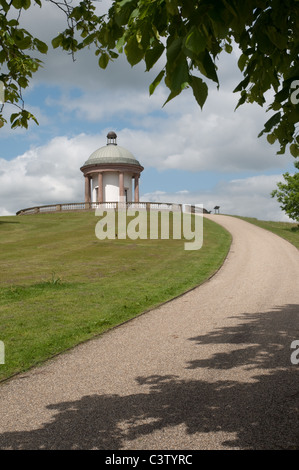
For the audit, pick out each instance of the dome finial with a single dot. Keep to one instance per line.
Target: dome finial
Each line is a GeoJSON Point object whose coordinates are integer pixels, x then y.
{"type": "Point", "coordinates": [111, 138]}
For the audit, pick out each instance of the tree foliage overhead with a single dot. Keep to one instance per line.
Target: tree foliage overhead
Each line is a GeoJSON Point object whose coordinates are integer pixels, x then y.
{"type": "Point", "coordinates": [16, 62]}
{"type": "Point", "coordinates": [184, 38]}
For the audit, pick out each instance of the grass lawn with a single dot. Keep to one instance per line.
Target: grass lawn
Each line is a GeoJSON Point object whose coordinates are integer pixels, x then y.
{"type": "Point", "coordinates": [286, 230]}
{"type": "Point", "coordinates": [60, 285]}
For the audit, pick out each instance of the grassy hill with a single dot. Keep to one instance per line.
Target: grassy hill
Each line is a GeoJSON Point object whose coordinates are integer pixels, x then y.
{"type": "Point", "coordinates": [60, 285]}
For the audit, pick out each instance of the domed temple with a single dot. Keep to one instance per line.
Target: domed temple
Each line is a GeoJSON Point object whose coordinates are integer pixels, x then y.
{"type": "Point", "coordinates": [109, 173]}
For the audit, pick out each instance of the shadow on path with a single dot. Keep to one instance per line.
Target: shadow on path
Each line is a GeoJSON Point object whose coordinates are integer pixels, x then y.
{"type": "Point", "coordinates": [260, 414]}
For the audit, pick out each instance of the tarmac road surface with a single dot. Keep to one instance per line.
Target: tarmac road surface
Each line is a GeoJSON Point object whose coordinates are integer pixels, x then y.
{"type": "Point", "coordinates": [211, 369]}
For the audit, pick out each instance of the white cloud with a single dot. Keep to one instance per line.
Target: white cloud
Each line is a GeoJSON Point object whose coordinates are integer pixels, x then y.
{"type": "Point", "coordinates": [97, 106]}
{"type": "Point", "coordinates": [248, 197]}
{"type": "Point", "coordinates": [50, 174]}
{"type": "Point", "coordinates": [180, 136]}
{"type": "Point", "coordinates": [197, 141]}
{"type": "Point", "coordinates": [46, 175]}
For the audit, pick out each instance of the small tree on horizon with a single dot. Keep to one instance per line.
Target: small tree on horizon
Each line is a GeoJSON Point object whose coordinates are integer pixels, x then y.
{"type": "Point", "coordinates": [287, 194]}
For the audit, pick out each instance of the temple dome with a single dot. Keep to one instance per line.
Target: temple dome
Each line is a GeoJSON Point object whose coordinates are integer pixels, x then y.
{"type": "Point", "coordinates": [111, 153]}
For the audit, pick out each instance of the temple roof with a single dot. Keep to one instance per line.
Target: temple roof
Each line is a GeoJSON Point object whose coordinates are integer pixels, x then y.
{"type": "Point", "coordinates": [111, 153]}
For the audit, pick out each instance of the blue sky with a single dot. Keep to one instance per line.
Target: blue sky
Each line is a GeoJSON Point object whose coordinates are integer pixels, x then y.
{"type": "Point", "coordinates": [210, 156]}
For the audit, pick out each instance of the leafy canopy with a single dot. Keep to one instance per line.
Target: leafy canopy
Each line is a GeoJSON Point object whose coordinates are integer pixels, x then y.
{"type": "Point", "coordinates": [16, 64]}
{"type": "Point", "coordinates": [182, 37]}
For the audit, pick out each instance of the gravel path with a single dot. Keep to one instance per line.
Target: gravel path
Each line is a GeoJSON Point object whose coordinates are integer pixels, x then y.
{"type": "Point", "coordinates": [208, 370]}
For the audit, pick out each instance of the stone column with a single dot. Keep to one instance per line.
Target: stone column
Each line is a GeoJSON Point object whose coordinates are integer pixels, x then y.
{"type": "Point", "coordinates": [100, 188]}
{"type": "Point", "coordinates": [87, 190]}
{"type": "Point", "coordinates": [136, 188]}
{"type": "Point", "coordinates": [121, 185]}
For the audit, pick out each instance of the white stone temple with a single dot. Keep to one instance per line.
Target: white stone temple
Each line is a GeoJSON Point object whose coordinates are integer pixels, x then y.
{"type": "Point", "coordinates": [109, 174]}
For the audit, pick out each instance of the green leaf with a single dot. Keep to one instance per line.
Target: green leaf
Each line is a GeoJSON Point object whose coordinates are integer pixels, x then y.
{"type": "Point", "coordinates": [241, 100]}
{"type": "Point", "coordinates": [179, 75]}
{"type": "Point", "coordinates": [14, 116]}
{"type": "Point", "coordinates": [152, 55]}
{"type": "Point", "coordinates": [13, 22]}
{"type": "Point", "coordinates": [23, 82]}
{"type": "Point", "coordinates": [206, 66]}
{"type": "Point", "coordinates": [228, 48]}
{"type": "Point", "coordinates": [18, 4]}
{"type": "Point", "coordinates": [88, 40]}
{"type": "Point", "coordinates": [120, 43]}
{"type": "Point", "coordinates": [271, 138]}
{"type": "Point", "coordinates": [104, 60]}
{"type": "Point", "coordinates": [139, 36]}
{"type": "Point", "coordinates": [3, 55]}
{"type": "Point", "coordinates": [113, 54]}
{"type": "Point", "coordinates": [156, 82]}
{"type": "Point", "coordinates": [172, 7]}
{"type": "Point", "coordinates": [41, 46]}
{"type": "Point", "coordinates": [294, 149]}
{"type": "Point", "coordinates": [278, 39]}
{"type": "Point", "coordinates": [124, 2]}
{"type": "Point", "coordinates": [242, 85]}
{"type": "Point", "coordinates": [56, 42]}
{"type": "Point", "coordinates": [123, 11]}
{"type": "Point", "coordinates": [133, 51]}
{"type": "Point", "coordinates": [242, 61]}
{"type": "Point", "coordinates": [272, 122]}
{"type": "Point", "coordinates": [24, 42]}
{"type": "Point", "coordinates": [156, 32]}
{"type": "Point", "coordinates": [195, 41]}
{"type": "Point", "coordinates": [174, 48]}
{"type": "Point", "coordinates": [172, 95]}
{"type": "Point", "coordinates": [5, 5]}
{"type": "Point", "coordinates": [200, 90]}
{"type": "Point", "coordinates": [293, 115]}
{"type": "Point", "coordinates": [230, 7]}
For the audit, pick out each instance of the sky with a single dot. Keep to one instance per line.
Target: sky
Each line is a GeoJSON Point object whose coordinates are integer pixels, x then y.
{"type": "Point", "coordinates": [211, 156]}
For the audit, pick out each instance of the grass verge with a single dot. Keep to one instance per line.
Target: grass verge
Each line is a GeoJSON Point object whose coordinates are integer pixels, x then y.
{"type": "Point", "coordinates": [60, 285]}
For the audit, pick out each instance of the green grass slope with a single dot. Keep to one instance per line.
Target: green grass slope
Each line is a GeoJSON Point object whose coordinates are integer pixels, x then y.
{"type": "Point", "coordinates": [60, 285]}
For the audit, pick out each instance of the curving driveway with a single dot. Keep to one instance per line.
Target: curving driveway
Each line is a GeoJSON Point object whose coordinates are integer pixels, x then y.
{"type": "Point", "coordinates": [208, 370]}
